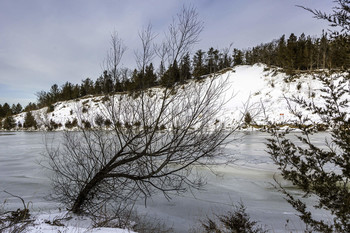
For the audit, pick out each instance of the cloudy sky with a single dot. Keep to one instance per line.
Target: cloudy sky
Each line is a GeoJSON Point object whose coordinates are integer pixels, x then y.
{"type": "Point", "coordinates": [43, 42]}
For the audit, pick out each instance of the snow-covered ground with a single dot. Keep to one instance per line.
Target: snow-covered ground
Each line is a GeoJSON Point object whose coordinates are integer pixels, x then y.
{"type": "Point", "coordinates": [256, 89]}
{"type": "Point", "coordinates": [65, 222]}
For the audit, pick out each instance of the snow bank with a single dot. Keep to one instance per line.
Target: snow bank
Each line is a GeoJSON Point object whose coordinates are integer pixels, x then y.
{"type": "Point", "coordinates": [68, 223]}
{"type": "Point", "coordinates": [256, 89]}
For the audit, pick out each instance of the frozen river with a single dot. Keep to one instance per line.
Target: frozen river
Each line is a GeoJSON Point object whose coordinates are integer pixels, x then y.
{"type": "Point", "coordinates": [249, 180]}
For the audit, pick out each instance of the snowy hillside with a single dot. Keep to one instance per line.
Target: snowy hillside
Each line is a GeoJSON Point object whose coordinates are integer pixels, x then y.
{"type": "Point", "coordinates": [255, 89]}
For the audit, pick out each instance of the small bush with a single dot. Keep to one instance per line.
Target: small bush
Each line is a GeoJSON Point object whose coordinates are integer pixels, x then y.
{"type": "Point", "coordinates": [17, 220]}
{"type": "Point", "coordinates": [233, 222]}
{"type": "Point", "coordinates": [248, 118]}
{"type": "Point", "coordinates": [85, 110]}
{"type": "Point", "coordinates": [54, 125]}
{"type": "Point", "coordinates": [86, 124]}
{"type": "Point", "coordinates": [298, 86]}
{"type": "Point", "coordinates": [70, 124]}
{"type": "Point", "coordinates": [127, 125]}
{"type": "Point", "coordinates": [99, 120]}
{"type": "Point", "coordinates": [108, 123]}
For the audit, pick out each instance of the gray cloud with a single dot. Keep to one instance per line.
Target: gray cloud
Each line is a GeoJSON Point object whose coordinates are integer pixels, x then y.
{"type": "Point", "coordinates": [43, 42]}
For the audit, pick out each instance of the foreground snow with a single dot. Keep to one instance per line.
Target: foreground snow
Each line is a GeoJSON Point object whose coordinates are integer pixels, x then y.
{"type": "Point", "coordinates": [68, 223]}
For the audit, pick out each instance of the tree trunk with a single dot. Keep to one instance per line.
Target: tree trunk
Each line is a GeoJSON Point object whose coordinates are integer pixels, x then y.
{"type": "Point", "coordinates": [81, 198]}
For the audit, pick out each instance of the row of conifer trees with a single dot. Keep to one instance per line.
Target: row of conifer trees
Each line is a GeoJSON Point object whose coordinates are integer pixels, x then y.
{"type": "Point", "coordinates": [294, 53]}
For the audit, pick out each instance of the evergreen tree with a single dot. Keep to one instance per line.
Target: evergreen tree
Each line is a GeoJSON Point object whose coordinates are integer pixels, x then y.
{"type": "Point", "coordinates": [98, 87]}
{"type": "Point", "coordinates": [324, 50]}
{"type": "Point", "coordinates": [301, 58]}
{"type": "Point", "coordinates": [29, 121]}
{"type": "Point", "coordinates": [161, 70]}
{"type": "Point", "coordinates": [136, 81]}
{"type": "Point", "coordinates": [67, 91]}
{"type": "Point", "coordinates": [30, 107]}
{"type": "Point", "coordinates": [6, 110]}
{"type": "Point", "coordinates": [237, 57]}
{"type": "Point", "coordinates": [2, 113]}
{"type": "Point", "coordinates": [185, 68]}
{"type": "Point", "coordinates": [339, 53]}
{"type": "Point", "coordinates": [171, 76]}
{"type": "Point", "coordinates": [9, 123]}
{"type": "Point", "coordinates": [291, 52]}
{"type": "Point", "coordinates": [18, 108]}
{"type": "Point", "coordinates": [107, 83]}
{"type": "Point", "coordinates": [87, 87]}
{"type": "Point", "coordinates": [150, 77]}
{"type": "Point", "coordinates": [54, 94]}
{"type": "Point", "coordinates": [198, 64]}
{"type": "Point", "coordinates": [15, 109]}
{"type": "Point", "coordinates": [212, 60]}
{"type": "Point", "coordinates": [321, 171]}
{"type": "Point", "coordinates": [310, 53]}
{"type": "Point", "coordinates": [281, 52]}
{"type": "Point", "coordinates": [225, 59]}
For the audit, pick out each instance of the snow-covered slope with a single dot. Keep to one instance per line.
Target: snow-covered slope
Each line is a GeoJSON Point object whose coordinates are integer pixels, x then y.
{"type": "Point", "coordinates": [255, 89]}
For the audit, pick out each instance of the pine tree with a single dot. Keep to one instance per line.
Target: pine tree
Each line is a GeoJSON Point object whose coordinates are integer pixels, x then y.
{"type": "Point", "coordinates": [310, 53]}
{"type": "Point", "coordinates": [18, 108]}
{"type": "Point", "coordinates": [30, 107]}
{"type": "Point", "coordinates": [54, 94]}
{"type": "Point", "coordinates": [339, 53]}
{"type": "Point", "coordinates": [212, 60]}
{"type": "Point", "coordinates": [161, 70]}
{"type": "Point", "coordinates": [87, 87]}
{"type": "Point", "coordinates": [324, 50]}
{"type": "Point", "coordinates": [171, 76]}
{"type": "Point", "coordinates": [322, 171]}
{"type": "Point", "coordinates": [237, 57]}
{"type": "Point", "coordinates": [225, 59]}
{"type": "Point", "coordinates": [301, 59]}
{"type": "Point", "coordinates": [291, 52]}
{"type": "Point", "coordinates": [107, 83]}
{"type": "Point", "coordinates": [185, 68]}
{"type": "Point", "coordinates": [136, 81]}
{"type": "Point", "coordinates": [15, 109]}
{"type": "Point", "coordinates": [281, 52]}
{"type": "Point", "coordinates": [29, 121]}
{"type": "Point", "coordinates": [198, 64]}
{"type": "Point", "coordinates": [2, 112]}
{"type": "Point", "coordinates": [9, 123]}
{"type": "Point", "coordinates": [150, 77]}
{"type": "Point", "coordinates": [6, 110]}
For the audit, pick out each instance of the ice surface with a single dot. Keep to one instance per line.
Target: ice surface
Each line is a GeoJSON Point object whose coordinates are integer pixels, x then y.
{"type": "Point", "coordinates": [249, 180]}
